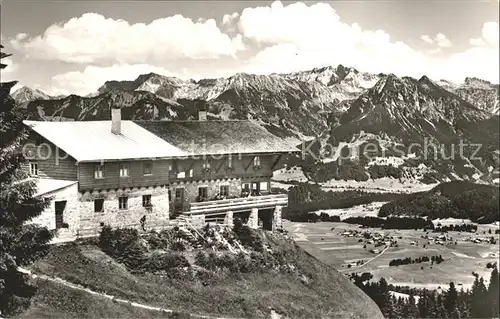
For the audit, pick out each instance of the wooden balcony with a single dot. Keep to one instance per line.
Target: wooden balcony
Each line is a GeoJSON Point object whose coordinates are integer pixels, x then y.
{"type": "Point", "coordinates": [212, 176]}
{"type": "Point", "coordinates": [236, 205]}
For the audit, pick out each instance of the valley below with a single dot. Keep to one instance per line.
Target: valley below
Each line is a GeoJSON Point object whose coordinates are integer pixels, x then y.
{"type": "Point", "coordinates": [338, 245]}
{"type": "Point", "coordinates": [421, 238]}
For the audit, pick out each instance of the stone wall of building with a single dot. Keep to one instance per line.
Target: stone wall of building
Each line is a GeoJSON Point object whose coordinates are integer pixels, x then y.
{"type": "Point", "coordinates": [253, 220]}
{"type": "Point", "coordinates": [229, 220]}
{"type": "Point", "coordinates": [71, 216]}
{"type": "Point", "coordinates": [277, 218]}
{"type": "Point", "coordinates": [156, 217]}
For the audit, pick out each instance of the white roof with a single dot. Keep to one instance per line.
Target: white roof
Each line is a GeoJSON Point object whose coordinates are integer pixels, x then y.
{"type": "Point", "coordinates": [92, 141]}
{"type": "Point", "coordinates": [46, 185]}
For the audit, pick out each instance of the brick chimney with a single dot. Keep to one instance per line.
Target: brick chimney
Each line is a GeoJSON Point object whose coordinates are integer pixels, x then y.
{"type": "Point", "coordinates": [116, 121]}
{"type": "Point", "coordinates": [202, 110]}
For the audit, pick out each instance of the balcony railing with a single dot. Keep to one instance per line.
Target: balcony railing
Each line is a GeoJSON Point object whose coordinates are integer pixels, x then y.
{"type": "Point", "coordinates": [214, 175]}
{"type": "Point", "coordinates": [238, 204]}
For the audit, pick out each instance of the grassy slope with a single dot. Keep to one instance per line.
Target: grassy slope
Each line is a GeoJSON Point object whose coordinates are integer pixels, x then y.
{"type": "Point", "coordinates": [57, 301]}
{"type": "Point", "coordinates": [328, 294]}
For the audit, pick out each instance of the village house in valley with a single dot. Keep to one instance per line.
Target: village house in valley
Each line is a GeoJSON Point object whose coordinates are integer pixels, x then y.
{"type": "Point", "coordinates": [153, 174]}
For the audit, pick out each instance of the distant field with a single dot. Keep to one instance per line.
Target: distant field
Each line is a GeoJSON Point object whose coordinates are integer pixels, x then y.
{"type": "Point", "coordinates": [283, 177]}
{"type": "Point", "coordinates": [355, 211]}
{"type": "Point", "coordinates": [460, 260]}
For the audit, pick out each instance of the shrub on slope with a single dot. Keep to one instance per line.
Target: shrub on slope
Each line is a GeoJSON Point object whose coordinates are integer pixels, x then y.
{"type": "Point", "coordinates": [302, 288]}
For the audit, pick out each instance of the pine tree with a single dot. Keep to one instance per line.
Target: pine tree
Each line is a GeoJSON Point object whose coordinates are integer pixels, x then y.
{"type": "Point", "coordinates": [20, 244]}
{"type": "Point", "coordinates": [412, 307]}
{"type": "Point", "coordinates": [455, 313]}
{"type": "Point", "coordinates": [463, 305]}
{"type": "Point", "coordinates": [383, 296]}
{"type": "Point", "coordinates": [493, 293]}
{"type": "Point", "coordinates": [465, 310]}
{"type": "Point", "coordinates": [431, 302]}
{"type": "Point", "coordinates": [450, 301]}
{"type": "Point", "coordinates": [473, 297]}
{"type": "Point", "coordinates": [478, 299]}
{"type": "Point", "coordinates": [422, 305]}
{"type": "Point", "coordinates": [394, 311]}
{"type": "Point", "coordinates": [440, 310]}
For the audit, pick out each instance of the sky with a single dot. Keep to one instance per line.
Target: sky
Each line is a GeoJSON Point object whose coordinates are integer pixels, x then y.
{"type": "Point", "coordinates": [73, 47]}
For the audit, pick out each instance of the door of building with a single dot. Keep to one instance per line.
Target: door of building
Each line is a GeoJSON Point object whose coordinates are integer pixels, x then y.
{"type": "Point", "coordinates": [59, 208]}
{"type": "Point", "coordinates": [255, 188]}
{"type": "Point", "coordinates": [179, 199]}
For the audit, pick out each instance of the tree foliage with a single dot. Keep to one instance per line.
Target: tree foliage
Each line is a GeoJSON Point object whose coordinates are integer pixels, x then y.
{"type": "Point", "coordinates": [20, 243]}
{"type": "Point", "coordinates": [457, 199]}
{"type": "Point", "coordinates": [305, 198]}
{"type": "Point", "coordinates": [478, 302]}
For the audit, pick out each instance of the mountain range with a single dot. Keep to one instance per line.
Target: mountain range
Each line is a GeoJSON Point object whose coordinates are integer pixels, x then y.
{"type": "Point", "coordinates": [339, 106]}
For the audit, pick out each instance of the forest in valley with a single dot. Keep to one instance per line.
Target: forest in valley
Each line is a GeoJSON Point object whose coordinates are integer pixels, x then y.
{"type": "Point", "coordinates": [481, 301]}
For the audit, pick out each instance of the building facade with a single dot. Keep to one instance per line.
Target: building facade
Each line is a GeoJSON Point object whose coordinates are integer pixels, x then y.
{"type": "Point", "coordinates": [148, 174]}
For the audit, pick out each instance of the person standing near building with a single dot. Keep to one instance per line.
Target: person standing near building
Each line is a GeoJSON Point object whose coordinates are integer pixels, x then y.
{"type": "Point", "coordinates": [143, 222]}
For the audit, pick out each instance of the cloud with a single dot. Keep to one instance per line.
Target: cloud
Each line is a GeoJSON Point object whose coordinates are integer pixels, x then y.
{"type": "Point", "coordinates": [489, 35]}
{"type": "Point", "coordinates": [94, 39]}
{"type": "Point", "coordinates": [21, 36]}
{"type": "Point", "coordinates": [229, 18]}
{"type": "Point", "coordinates": [426, 38]}
{"type": "Point", "coordinates": [92, 77]}
{"type": "Point", "coordinates": [442, 41]}
{"type": "Point", "coordinates": [298, 37]}
{"type": "Point", "coordinates": [439, 39]}
{"type": "Point", "coordinates": [482, 60]}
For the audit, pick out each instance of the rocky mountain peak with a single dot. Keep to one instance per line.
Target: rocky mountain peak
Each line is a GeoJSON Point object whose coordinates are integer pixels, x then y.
{"type": "Point", "coordinates": [327, 75]}
{"type": "Point", "coordinates": [388, 86]}
{"type": "Point", "coordinates": [477, 83]}
{"type": "Point", "coordinates": [150, 77]}
{"type": "Point", "coordinates": [425, 79]}
{"type": "Point", "coordinates": [26, 94]}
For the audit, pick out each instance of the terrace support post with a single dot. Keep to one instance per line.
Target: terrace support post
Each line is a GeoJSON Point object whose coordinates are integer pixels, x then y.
{"type": "Point", "coordinates": [228, 220]}
{"type": "Point", "coordinates": [277, 220]}
{"type": "Point", "coordinates": [253, 220]}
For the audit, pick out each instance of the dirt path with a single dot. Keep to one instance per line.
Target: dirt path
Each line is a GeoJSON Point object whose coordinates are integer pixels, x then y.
{"type": "Point", "coordinates": [110, 297]}
{"type": "Point", "coordinates": [369, 260]}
